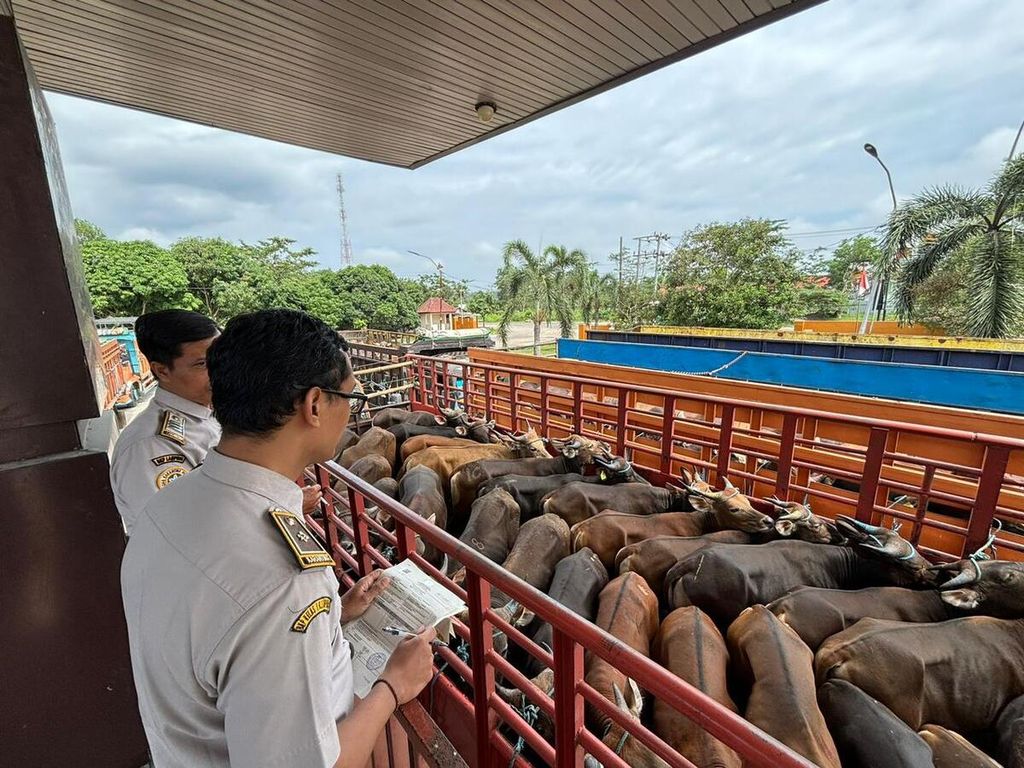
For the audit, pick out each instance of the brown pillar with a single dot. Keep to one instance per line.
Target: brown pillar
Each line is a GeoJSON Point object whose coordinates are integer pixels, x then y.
{"type": "Point", "coordinates": [66, 696]}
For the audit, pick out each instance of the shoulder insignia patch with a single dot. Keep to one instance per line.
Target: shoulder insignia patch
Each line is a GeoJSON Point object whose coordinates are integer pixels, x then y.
{"type": "Point", "coordinates": [310, 612]}
{"type": "Point", "coordinates": [303, 544]}
{"type": "Point", "coordinates": [172, 426]}
{"type": "Point", "coordinates": [169, 475]}
{"type": "Point", "coordinates": [169, 458]}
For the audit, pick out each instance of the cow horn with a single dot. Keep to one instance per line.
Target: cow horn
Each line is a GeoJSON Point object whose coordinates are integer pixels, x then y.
{"type": "Point", "coordinates": [638, 698]}
{"type": "Point", "coordinates": [964, 578]}
{"type": "Point", "coordinates": [687, 477]}
{"type": "Point", "coordinates": [728, 484]}
{"type": "Point", "coordinates": [589, 761]}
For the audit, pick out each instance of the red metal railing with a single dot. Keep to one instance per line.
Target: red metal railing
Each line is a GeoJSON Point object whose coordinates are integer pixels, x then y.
{"type": "Point", "coordinates": [946, 484]}
{"type": "Point", "coordinates": [344, 519]}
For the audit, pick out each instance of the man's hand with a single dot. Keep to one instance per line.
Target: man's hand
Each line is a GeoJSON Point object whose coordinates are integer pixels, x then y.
{"type": "Point", "coordinates": [311, 495]}
{"type": "Point", "coordinates": [411, 665]}
{"type": "Point", "coordinates": [355, 602]}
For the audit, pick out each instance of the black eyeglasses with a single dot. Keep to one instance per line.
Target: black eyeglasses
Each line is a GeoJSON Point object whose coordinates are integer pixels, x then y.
{"type": "Point", "coordinates": [357, 400]}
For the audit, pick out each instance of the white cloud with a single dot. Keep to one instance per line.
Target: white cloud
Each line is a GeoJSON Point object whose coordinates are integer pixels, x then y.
{"type": "Point", "coordinates": [770, 124]}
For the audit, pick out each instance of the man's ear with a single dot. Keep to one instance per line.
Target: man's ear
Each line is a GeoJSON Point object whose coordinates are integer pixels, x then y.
{"type": "Point", "coordinates": [160, 370]}
{"type": "Point", "coordinates": [310, 406]}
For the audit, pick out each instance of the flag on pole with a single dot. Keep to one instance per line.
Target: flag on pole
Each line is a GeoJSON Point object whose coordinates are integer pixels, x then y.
{"type": "Point", "coordinates": [862, 282]}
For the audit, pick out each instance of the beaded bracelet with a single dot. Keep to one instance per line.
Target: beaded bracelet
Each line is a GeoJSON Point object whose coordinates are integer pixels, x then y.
{"type": "Point", "coordinates": [390, 688]}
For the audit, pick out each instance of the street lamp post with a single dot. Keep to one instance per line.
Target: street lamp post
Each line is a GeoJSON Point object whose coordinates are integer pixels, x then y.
{"type": "Point", "coordinates": [438, 265]}
{"type": "Point", "coordinates": [878, 300]}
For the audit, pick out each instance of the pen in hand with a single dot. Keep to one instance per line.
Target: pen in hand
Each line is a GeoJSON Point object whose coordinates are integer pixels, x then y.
{"type": "Point", "coordinates": [403, 633]}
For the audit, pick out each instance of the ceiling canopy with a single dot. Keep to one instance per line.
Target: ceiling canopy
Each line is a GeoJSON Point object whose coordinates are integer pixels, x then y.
{"type": "Point", "coordinates": [393, 81]}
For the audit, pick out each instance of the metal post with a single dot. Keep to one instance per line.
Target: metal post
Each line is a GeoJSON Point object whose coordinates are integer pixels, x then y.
{"type": "Point", "coordinates": [667, 424]}
{"type": "Point", "coordinates": [620, 422]}
{"type": "Point", "coordinates": [478, 599]}
{"type": "Point", "coordinates": [787, 447]}
{"type": "Point", "coordinates": [568, 658]}
{"type": "Point", "coordinates": [725, 443]}
{"type": "Point", "coordinates": [543, 406]}
{"type": "Point", "coordinates": [360, 533]}
{"type": "Point", "coordinates": [993, 470]}
{"type": "Point", "coordinates": [872, 474]}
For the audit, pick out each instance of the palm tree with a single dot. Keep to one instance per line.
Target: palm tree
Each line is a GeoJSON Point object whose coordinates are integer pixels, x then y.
{"type": "Point", "coordinates": [985, 228]}
{"type": "Point", "coordinates": [538, 284]}
{"type": "Point", "coordinates": [592, 288]}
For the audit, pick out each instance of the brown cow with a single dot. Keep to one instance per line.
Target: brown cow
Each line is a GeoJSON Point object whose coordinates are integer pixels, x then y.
{"type": "Point", "coordinates": [420, 491]}
{"type": "Point", "coordinates": [816, 614]}
{"type": "Point", "coordinates": [374, 440]}
{"type": "Point", "coordinates": [492, 529]}
{"type": "Point", "coordinates": [689, 645]}
{"type": "Point", "coordinates": [798, 521]}
{"type": "Point", "coordinates": [371, 468]}
{"type": "Point", "coordinates": [627, 610]}
{"type": "Point", "coordinates": [951, 750]}
{"type": "Point", "coordinates": [388, 417]}
{"type": "Point", "coordinates": [958, 674]}
{"type": "Point", "coordinates": [725, 510]}
{"type": "Point", "coordinates": [540, 545]}
{"type": "Point", "coordinates": [420, 442]}
{"type": "Point", "coordinates": [652, 558]}
{"type": "Point", "coordinates": [783, 697]}
{"type": "Point", "coordinates": [578, 501]}
{"type": "Point", "coordinates": [347, 440]}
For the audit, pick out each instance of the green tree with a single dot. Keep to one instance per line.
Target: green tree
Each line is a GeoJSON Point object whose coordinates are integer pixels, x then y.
{"type": "Point", "coordinates": [847, 259]}
{"type": "Point", "coordinates": [537, 284]}
{"type": "Point", "coordinates": [373, 297]}
{"type": "Point", "coordinates": [133, 277]}
{"type": "Point", "coordinates": [741, 275]}
{"type": "Point", "coordinates": [483, 303]}
{"type": "Point", "coordinates": [215, 269]}
{"type": "Point", "coordinates": [593, 291]}
{"type": "Point", "coordinates": [87, 231]}
{"type": "Point", "coordinates": [985, 228]}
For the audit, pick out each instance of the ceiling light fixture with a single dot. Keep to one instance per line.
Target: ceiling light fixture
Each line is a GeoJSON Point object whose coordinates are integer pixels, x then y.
{"type": "Point", "coordinates": [485, 111]}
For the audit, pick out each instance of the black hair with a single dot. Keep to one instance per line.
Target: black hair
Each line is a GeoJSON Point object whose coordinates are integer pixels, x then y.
{"type": "Point", "coordinates": [265, 361]}
{"type": "Point", "coordinates": [161, 334]}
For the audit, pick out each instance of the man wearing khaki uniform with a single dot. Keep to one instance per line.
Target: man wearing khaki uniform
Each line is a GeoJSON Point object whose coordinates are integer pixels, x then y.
{"type": "Point", "coordinates": [234, 619]}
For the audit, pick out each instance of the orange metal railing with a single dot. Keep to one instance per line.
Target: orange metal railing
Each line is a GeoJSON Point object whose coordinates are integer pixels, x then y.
{"type": "Point", "coordinates": [946, 484]}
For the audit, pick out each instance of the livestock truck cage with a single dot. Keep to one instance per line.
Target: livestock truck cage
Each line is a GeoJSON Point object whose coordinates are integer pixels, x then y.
{"type": "Point", "coordinates": [945, 487]}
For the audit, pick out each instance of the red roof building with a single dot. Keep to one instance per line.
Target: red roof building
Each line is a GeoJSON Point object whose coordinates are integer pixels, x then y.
{"type": "Point", "coordinates": [435, 305]}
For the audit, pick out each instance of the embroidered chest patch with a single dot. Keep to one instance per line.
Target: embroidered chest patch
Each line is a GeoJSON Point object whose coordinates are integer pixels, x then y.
{"type": "Point", "coordinates": [169, 475]}
{"type": "Point", "coordinates": [310, 612]}
{"type": "Point", "coordinates": [172, 426]}
{"type": "Point", "coordinates": [303, 544]}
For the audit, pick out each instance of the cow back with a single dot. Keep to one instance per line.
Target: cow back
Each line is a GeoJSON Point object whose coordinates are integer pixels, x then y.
{"type": "Point", "coordinates": [540, 545]}
{"type": "Point", "coordinates": [374, 441]}
{"type": "Point", "coordinates": [689, 645]}
{"type": "Point", "coordinates": [371, 468]}
{"type": "Point", "coordinates": [951, 750]}
{"type": "Point", "coordinates": [779, 668]}
{"type": "Point", "coordinates": [959, 674]}
{"type": "Point", "coordinates": [420, 490]}
{"type": "Point", "coordinates": [866, 732]}
{"type": "Point", "coordinates": [578, 501]}
{"type": "Point", "coordinates": [421, 442]}
{"type": "Point", "coordinates": [652, 558]}
{"type": "Point", "coordinates": [578, 580]}
{"type": "Point", "coordinates": [493, 527]}
{"type": "Point", "coordinates": [816, 614]}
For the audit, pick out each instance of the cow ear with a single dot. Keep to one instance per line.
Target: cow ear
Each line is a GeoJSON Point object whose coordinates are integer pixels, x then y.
{"type": "Point", "coordinates": [441, 421]}
{"type": "Point", "coordinates": [461, 430]}
{"type": "Point", "coordinates": [785, 527]}
{"type": "Point", "coordinates": [699, 503]}
{"type": "Point", "coordinates": [964, 599]}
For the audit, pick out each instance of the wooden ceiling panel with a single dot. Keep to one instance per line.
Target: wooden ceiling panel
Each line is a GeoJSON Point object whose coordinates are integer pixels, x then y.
{"type": "Point", "coordinates": [392, 81]}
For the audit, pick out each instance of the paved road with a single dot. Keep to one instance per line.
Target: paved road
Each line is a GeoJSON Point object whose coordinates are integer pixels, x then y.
{"type": "Point", "coordinates": [521, 334]}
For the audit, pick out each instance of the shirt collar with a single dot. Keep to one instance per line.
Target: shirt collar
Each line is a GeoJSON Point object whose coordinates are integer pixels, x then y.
{"type": "Point", "coordinates": [254, 479]}
{"type": "Point", "coordinates": [178, 403]}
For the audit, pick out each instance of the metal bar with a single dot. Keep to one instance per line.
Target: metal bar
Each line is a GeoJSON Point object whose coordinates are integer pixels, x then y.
{"type": "Point", "coordinates": [725, 444]}
{"type": "Point", "coordinates": [360, 534]}
{"type": "Point", "coordinates": [993, 469]}
{"type": "Point", "coordinates": [787, 446]}
{"type": "Point", "coordinates": [668, 419]}
{"type": "Point", "coordinates": [872, 470]}
{"type": "Point", "coordinates": [543, 408]}
{"type": "Point", "coordinates": [620, 422]}
{"type": "Point", "coordinates": [381, 369]}
{"type": "Point", "coordinates": [577, 405]}
{"type": "Point", "coordinates": [478, 594]}
{"type": "Point", "coordinates": [568, 707]}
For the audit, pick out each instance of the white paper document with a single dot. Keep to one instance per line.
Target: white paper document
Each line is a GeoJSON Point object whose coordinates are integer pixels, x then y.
{"type": "Point", "coordinates": [412, 600]}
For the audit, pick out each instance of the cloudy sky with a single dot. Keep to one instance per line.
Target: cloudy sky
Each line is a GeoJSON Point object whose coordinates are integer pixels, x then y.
{"type": "Point", "coordinates": [770, 124]}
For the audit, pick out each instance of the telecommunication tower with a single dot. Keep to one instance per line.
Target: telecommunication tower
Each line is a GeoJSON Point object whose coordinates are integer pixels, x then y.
{"type": "Point", "coordinates": [346, 243]}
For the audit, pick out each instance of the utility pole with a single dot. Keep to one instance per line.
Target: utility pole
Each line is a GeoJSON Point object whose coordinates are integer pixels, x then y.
{"type": "Point", "coordinates": [346, 243]}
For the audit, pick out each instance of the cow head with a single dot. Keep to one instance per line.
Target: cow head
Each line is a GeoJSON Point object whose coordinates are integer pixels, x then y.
{"type": "Point", "coordinates": [799, 520]}
{"type": "Point", "coordinates": [995, 587]}
{"type": "Point", "coordinates": [632, 751]}
{"type": "Point", "coordinates": [733, 510]}
{"type": "Point", "coordinates": [882, 543]}
{"type": "Point", "coordinates": [582, 448]}
{"type": "Point", "coordinates": [529, 444]}
{"type": "Point", "coordinates": [617, 470]}
{"type": "Point", "coordinates": [451, 417]}
{"type": "Point", "coordinates": [515, 698]}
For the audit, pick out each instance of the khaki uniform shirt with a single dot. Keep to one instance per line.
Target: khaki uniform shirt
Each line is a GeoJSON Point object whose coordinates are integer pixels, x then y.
{"type": "Point", "coordinates": [237, 650]}
{"type": "Point", "coordinates": [167, 440]}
